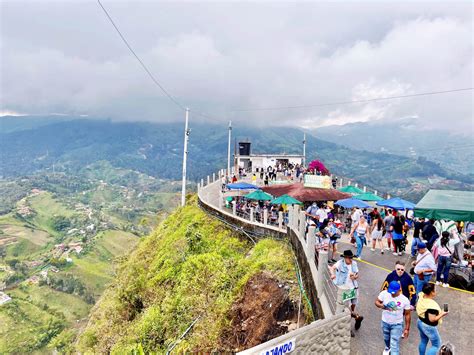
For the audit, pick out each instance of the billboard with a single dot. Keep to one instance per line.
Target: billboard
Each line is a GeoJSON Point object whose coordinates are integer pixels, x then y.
{"type": "Point", "coordinates": [319, 181]}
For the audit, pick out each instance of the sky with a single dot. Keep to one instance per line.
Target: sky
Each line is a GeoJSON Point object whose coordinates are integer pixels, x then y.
{"type": "Point", "coordinates": [64, 57]}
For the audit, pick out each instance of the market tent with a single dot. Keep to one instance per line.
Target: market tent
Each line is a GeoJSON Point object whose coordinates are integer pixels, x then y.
{"type": "Point", "coordinates": [396, 203]}
{"type": "Point", "coordinates": [286, 200]}
{"type": "Point", "coordinates": [351, 190]}
{"type": "Point", "coordinates": [305, 194]}
{"type": "Point", "coordinates": [241, 186]}
{"type": "Point", "coordinates": [368, 196]}
{"type": "Point", "coordinates": [446, 204]}
{"type": "Point", "coordinates": [352, 202]}
{"type": "Point", "coordinates": [259, 195]}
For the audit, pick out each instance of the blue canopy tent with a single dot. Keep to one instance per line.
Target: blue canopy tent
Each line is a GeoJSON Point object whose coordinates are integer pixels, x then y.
{"type": "Point", "coordinates": [241, 186]}
{"type": "Point", "coordinates": [352, 202]}
{"type": "Point", "coordinates": [396, 203]}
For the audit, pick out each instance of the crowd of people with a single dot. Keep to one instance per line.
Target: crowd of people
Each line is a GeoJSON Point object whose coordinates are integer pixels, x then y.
{"type": "Point", "coordinates": [398, 298]}
{"type": "Point", "coordinates": [435, 246]}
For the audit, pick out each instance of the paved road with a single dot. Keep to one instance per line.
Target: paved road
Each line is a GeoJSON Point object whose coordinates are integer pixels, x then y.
{"type": "Point", "coordinates": [374, 267]}
{"type": "Point", "coordinates": [456, 328]}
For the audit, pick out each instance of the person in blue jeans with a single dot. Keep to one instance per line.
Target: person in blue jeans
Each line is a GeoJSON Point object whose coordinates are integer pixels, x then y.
{"type": "Point", "coordinates": [360, 231]}
{"type": "Point", "coordinates": [396, 309]}
{"type": "Point", "coordinates": [424, 267]}
{"type": "Point", "coordinates": [429, 318]}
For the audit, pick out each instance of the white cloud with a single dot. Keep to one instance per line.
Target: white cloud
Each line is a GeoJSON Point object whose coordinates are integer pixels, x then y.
{"type": "Point", "coordinates": [222, 56]}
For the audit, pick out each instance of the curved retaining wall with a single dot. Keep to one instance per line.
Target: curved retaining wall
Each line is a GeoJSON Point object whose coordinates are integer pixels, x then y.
{"type": "Point", "coordinates": [330, 333]}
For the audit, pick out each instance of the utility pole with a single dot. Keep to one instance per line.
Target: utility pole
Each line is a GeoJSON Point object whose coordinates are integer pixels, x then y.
{"type": "Point", "coordinates": [228, 148]}
{"type": "Point", "coordinates": [304, 149]}
{"type": "Point", "coordinates": [185, 156]}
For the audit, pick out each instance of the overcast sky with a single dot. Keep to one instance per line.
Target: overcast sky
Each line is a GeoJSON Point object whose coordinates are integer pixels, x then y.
{"type": "Point", "coordinates": [65, 57]}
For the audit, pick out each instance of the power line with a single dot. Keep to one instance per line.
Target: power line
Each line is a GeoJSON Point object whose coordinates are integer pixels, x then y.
{"type": "Point", "coordinates": [140, 61]}
{"type": "Point", "coordinates": [349, 102]}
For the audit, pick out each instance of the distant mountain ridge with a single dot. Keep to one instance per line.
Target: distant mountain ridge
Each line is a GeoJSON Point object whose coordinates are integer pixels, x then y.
{"type": "Point", "coordinates": [156, 149]}
{"type": "Point", "coordinates": [404, 137]}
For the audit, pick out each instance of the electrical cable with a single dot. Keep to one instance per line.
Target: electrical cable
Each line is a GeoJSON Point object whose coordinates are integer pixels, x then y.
{"type": "Point", "coordinates": [206, 116]}
{"type": "Point", "coordinates": [351, 101]}
{"type": "Point", "coordinates": [157, 83]}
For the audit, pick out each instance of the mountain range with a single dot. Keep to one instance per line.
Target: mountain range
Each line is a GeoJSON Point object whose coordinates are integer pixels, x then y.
{"type": "Point", "coordinates": [30, 145]}
{"type": "Point", "coordinates": [405, 137]}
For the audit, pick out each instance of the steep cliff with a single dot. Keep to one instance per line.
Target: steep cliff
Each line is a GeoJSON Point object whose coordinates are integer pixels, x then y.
{"type": "Point", "coordinates": [195, 268]}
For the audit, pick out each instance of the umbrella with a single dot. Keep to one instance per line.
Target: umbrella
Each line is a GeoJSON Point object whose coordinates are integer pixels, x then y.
{"type": "Point", "coordinates": [259, 195]}
{"type": "Point", "coordinates": [286, 200]}
{"type": "Point", "coordinates": [352, 202]}
{"type": "Point", "coordinates": [351, 190]}
{"type": "Point", "coordinates": [242, 186]}
{"type": "Point", "coordinates": [368, 196]}
{"type": "Point", "coordinates": [396, 203]}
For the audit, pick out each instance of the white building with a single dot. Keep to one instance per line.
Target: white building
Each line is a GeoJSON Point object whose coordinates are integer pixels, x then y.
{"type": "Point", "coordinates": [246, 160]}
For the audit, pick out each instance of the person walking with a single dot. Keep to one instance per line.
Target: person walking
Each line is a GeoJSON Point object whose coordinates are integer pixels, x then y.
{"type": "Point", "coordinates": [418, 227]}
{"type": "Point", "coordinates": [254, 179]}
{"type": "Point", "coordinates": [388, 220]}
{"type": "Point", "coordinates": [396, 317]}
{"type": "Point", "coordinates": [376, 232]}
{"type": "Point", "coordinates": [445, 246]}
{"type": "Point", "coordinates": [397, 235]}
{"type": "Point", "coordinates": [404, 279]}
{"type": "Point", "coordinates": [430, 234]}
{"type": "Point", "coordinates": [334, 235]}
{"type": "Point", "coordinates": [430, 316]}
{"type": "Point", "coordinates": [360, 231]}
{"type": "Point", "coordinates": [345, 273]}
{"type": "Point", "coordinates": [424, 266]}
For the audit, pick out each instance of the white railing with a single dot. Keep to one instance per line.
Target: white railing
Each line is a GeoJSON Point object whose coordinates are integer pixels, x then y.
{"type": "Point", "coordinates": [211, 194]}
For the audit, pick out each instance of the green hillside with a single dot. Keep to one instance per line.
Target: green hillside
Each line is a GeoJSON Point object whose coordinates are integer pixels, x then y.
{"type": "Point", "coordinates": [191, 267]}
{"type": "Point", "coordinates": [156, 150]}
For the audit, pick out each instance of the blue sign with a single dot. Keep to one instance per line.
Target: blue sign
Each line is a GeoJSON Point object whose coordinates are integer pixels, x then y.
{"type": "Point", "coordinates": [280, 349]}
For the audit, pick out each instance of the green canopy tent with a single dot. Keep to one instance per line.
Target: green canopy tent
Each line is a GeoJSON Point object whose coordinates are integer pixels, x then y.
{"type": "Point", "coordinates": [368, 196]}
{"type": "Point", "coordinates": [351, 190]}
{"type": "Point", "coordinates": [259, 195]}
{"type": "Point", "coordinates": [286, 200]}
{"type": "Point", "coordinates": [446, 204]}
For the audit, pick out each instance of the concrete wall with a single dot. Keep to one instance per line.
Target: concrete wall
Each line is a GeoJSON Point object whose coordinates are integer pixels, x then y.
{"type": "Point", "coordinates": [307, 274]}
{"type": "Point", "coordinates": [326, 336]}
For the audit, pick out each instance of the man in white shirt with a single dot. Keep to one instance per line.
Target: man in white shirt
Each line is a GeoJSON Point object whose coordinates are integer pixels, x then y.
{"type": "Point", "coordinates": [321, 212]}
{"type": "Point", "coordinates": [425, 266]}
{"type": "Point", "coordinates": [396, 308]}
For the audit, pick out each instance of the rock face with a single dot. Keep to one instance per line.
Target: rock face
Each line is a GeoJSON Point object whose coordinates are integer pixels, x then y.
{"type": "Point", "coordinates": [265, 311]}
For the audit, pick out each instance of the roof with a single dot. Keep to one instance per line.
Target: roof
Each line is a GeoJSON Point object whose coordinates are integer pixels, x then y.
{"type": "Point", "coordinates": [368, 196]}
{"type": "Point", "coordinates": [305, 194]}
{"type": "Point", "coordinates": [447, 204]}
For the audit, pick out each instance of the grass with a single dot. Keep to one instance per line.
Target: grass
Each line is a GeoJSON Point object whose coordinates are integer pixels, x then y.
{"type": "Point", "coordinates": [25, 326]}
{"type": "Point", "coordinates": [117, 242]}
{"type": "Point", "coordinates": [37, 237]}
{"type": "Point", "coordinates": [190, 266]}
{"type": "Point", "coordinates": [46, 206]}
{"type": "Point", "coordinates": [72, 307]}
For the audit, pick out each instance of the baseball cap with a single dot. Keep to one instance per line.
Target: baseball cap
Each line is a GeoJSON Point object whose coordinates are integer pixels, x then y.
{"type": "Point", "coordinates": [421, 246]}
{"type": "Point", "coordinates": [393, 287]}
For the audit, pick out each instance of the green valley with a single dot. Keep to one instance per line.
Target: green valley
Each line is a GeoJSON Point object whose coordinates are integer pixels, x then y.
{"type": "Point", "coordinates": [61, 239]}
